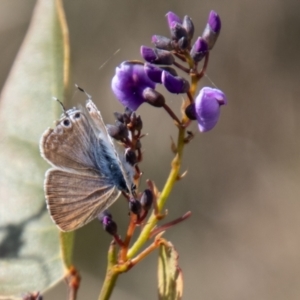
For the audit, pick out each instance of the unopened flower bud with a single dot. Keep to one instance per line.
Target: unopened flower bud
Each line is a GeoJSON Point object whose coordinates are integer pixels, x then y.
{"type": "Point", "coordinates": [135, 206]}
{"type": "Point", "coordinates": [177, 31]}
{"type": "Point", "coordinates": [153, 72]}
{"type": "Point", "coordinates": [212, 29]}
{"type": "Point", "coordinates": [162, 42]}
{"type": "Point", "coordinates": [138, 144]}
{"type": "Point", "coordinates": [190, 112]}
{"type": "Point", "coordinates": [183, 43]}
{"type": "Point", "coordinates": [157, 56]}
{"type": "Point", "coordinates": [147, 199]}
{"type": "Point", "coordinates": [199, 49]}
{"type": "Point", "coordinates": [119, 116]}
{"type": "Point", "coordinates": [118, 131]}
{"type": "Point", "coordinates": [188, 25]}
{"type": "Point", "coordinates": [109, 225]}
{"type": "Point", "coordinates": [172, 17]}
{"type": "Point", "coordinates": [153, 97]}
{"type": "Point", "coordinates": [175, 84]}
{"type": "Point", "coordinates": [130, 156]}
{"type": "Point", "coordinates": [128, 111]}
{"type": "Point", "coordinates": [137, 123]}
{"type": "Point", "coordinates": [171, 70]}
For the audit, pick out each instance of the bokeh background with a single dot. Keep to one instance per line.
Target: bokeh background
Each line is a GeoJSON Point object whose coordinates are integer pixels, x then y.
{"type": "Point", "coordinates": [243, 239]}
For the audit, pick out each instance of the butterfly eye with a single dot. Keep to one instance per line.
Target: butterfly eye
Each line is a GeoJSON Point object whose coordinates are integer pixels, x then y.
{"type": "Point", "coordinates": [77, 115]}
{"type": "Point", "coordinates": [66, 122]}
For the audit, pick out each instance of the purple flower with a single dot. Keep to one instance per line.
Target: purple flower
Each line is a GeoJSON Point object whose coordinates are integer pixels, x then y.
{"type": "Point", "coordinates": [129, 82]}
{"type": "Point", "coordinates": [207, 107]}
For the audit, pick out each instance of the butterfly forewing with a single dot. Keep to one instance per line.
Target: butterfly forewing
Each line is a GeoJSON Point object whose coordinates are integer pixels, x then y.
{"type": "Point", "coordinates": [126, 169]}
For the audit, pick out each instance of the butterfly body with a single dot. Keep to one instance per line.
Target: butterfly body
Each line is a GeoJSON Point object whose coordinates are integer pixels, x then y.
{"type": "Point", "coordinates": [88, 173]}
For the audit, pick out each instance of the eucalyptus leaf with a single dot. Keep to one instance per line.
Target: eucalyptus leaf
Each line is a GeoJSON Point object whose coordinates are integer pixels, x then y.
{"type": "Point", "coordinates": [31, 258]}
{"type": "Point", "coordinates": [170, 281]}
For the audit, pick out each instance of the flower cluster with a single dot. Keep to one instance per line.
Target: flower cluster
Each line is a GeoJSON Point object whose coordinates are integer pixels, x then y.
{"type": "Point", "coordinates": [134, 82]}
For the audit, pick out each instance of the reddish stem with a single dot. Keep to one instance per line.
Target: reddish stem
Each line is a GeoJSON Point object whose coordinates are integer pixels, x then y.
{"type": "Point", "coordinates": [184, 69]}
{"type": "Point", "coordinates": [170, 224]}
{"type": "Point", "coordinates": [171, 113]}
{"type": "Point", "coordinates": [201, 74]}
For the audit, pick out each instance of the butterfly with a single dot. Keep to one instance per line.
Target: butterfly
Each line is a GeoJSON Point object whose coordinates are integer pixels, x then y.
{"type": "Point", "coordinates": [89, 170]}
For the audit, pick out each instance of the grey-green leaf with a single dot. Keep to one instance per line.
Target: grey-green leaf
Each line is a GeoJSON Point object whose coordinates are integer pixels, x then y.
{"type": "Point", "coordinates": [170, 281]}
{"type": "Point", "coordinates": [31, 258]}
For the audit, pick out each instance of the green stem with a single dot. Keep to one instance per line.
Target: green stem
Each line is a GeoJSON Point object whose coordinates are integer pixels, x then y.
{"type": "Point", "coordinates": [173, 176]}
{"type": "Point", "coordinates": [108, 285]}
{"type": "Point", "coordinates": [111, 274]}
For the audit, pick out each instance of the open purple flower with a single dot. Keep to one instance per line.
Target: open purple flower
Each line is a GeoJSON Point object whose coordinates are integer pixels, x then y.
{"type": "Point", "coordinates": [129, 83]}
{"type": "Point", "coordinates": [207, 107]}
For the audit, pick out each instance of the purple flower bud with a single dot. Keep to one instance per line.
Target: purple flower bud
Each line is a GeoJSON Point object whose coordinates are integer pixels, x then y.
{"type": "Point", "coordinates": [147, 199]}
{"type": "Point", "coordinates": [157, 56]}
{"type": "Point", "coordinates": [212, 29]}
{"type": "Point", "coordinates": [199, 49]}
{"type": "Point", "coordinates": [177, 31]}
{"type": "Point", "coordinates": [153, 72]}
{"type": "Point", "coordinates": [171, 17]}
{"type": "Point", "coordinates": [129, 83]}
{"type": "Point", "coordinates": [214, 21]}
{"type": "Point", "coordinates": [153, 97]}
{"type": "Point", "coordinates": [136, 122]}
{"type": "Point", "coordinates": [130, 156]}
{"type": "Point", "coordinates": [183, 43]}
{"type": "Point", "coordinates": [128, 112]}
{"type": "Point", "coordinates": [175, 84]}
{"type": "Point", "coordinates": [171, 70]}
{"type": "Point", "coordinates": [109, 225]}
{"type": "Point", "coordinates": [135, 206]}
{"type": "Point", "coordinates": [207, 106]}
{"type": "Point", "coordinates": [162, 42]}
{"type": "Point", "coordinates": [190, 111]}
{"type": "Point", "coordinates": [188, 25]}
{"type": "Point", "coordinates": [118, 131]}
{"type": "Point", "coordinates": [119, 116]}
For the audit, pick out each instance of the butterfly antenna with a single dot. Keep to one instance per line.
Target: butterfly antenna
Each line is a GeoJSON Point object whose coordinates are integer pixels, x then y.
{"type": "Point", "coordinates": [61, 104]}
{"type": "Point", "coordinates": [83, 91]}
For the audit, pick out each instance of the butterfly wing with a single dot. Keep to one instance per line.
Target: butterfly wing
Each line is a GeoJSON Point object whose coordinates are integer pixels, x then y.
{"type": "Point", "coordinates": [75, 199]}
{"type": "Point", "coordinates": [97, 121]}
{"type": "Point", "coordinates": [69, 144]}
{"type": "Point", "coordinates": [80, 185]}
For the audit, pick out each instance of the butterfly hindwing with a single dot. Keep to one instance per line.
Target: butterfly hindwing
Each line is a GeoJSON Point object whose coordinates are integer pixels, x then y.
{"type": "Point", "coordinates": [75, 199]}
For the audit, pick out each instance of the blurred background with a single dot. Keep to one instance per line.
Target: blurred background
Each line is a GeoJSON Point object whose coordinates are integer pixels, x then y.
{"type": "Point", "coordinates": [243, 239]}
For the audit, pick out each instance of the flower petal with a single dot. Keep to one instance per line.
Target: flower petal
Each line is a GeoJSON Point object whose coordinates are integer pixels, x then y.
{"type": "Point", "coordinates": [207, 106]}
